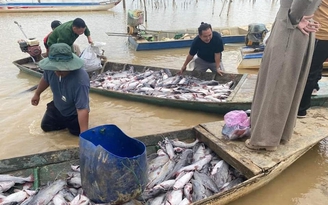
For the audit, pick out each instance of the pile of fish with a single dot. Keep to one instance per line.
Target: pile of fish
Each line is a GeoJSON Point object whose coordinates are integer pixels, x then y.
{"type": "Point", "coordinates": [163, 84]}
{"type": "Point", "coordinates": [181, 173]}
{"type": "Point", "coordinates": [59, 192]}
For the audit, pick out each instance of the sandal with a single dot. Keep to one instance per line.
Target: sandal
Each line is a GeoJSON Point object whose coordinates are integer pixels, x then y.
{"type": "Point", "coordinates": [264, 148]}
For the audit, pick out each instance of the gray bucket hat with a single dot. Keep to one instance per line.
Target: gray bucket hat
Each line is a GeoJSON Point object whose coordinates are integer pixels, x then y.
{"type": "Point", "coordinates": [61, 58]}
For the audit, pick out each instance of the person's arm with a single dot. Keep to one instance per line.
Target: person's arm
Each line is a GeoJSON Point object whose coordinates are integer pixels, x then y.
{"type": "Point", "coordinates": [83, 118]}
{"type": "Point", "coordinates": [184, 66]}
{"type": "Point", "coordinates": [298, 9]}
{"type": "Point", "coordinates": [90, 39]}
{"type": "Point", "coordinates": [88, 35]}
{"type": "Point", "coordinates": [217, 57]}
{"type": "Point", "coordinates": [41, 87]}
{"type": "Point", "coordinates": [52, 39]}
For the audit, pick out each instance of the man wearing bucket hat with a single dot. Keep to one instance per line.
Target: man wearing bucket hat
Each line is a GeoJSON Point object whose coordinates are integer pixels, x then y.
{"type": "Point", "coordinates": [70, 87]}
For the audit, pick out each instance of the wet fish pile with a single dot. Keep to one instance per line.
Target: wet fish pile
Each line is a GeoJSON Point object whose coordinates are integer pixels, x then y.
{"type": "Point", "coordinates": [181, 173]}
{"type": "Point", "coordinates": [59, 192]}
{"type": "Point", "coordinates": [163, 84]}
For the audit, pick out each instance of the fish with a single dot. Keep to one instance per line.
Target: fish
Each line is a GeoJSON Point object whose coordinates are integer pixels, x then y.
{"type": "Point", "coordinates": [222, 175]}
{"type": "Point", "coordinates": [150, 193]}
{"type": "Point", "coordinates": [185, 201]}
{"type": "Point", "coordinates": [216, 167]}
{"type": "Point", "coordinates": [187, 189]}
{"type": "Point", "coordinates": [180, 183]}
{"type": "Point", "coordinates": [18, 180]}
{"type": "Point", "coordinates": [184, 159]}
{"type": "Point", "coordinates": [178, 143]}
{"type": "Point", "coordinates": [206, 181]}
{"type": "Point", "coordinates": [232, 183]}
{"type": "Point", "coordinates": [59, 200]}
{"type": "Point", "coordinates": [80, 200]}
{"type": "Point", "coordinates": [167, 167]}
{"type": "Point", "coordinates": [45, 195]}
{"type": "Point", "coordinates": [66, 194]}
{"type": "Point", "coordinates": [174, 197]}
{"type": "Point", "coordinates": [163, 84]}
{"type": "Point", "coordinates": [158, 162]}
{"type": "Point", "coordinates": [199, 191]}
{"type": "Point", "coordinates": [197, 165]}
{"type": "Point", "coordinates": [169, 148]}
{"type": "Point", "coordinates": [165, 185]}
{"type": "Point", "coordinates": [157, 200]}
{"type": "Point", "coordinates": [75, 181]}
{"type": "Point", "coordinates": [6, 185]}
{"type": "Point", "coordinates": [17, 197]}
{"type": "Point", "coordinates": [199, 152]}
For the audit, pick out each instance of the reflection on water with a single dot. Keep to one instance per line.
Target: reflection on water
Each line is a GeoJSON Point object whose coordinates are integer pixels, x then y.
{"type": "Point", "coordinates": [21, 133]}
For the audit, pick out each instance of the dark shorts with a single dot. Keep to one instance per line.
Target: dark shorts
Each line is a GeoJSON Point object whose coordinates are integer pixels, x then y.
{"type": "Point", "coordinates": [53, 120]}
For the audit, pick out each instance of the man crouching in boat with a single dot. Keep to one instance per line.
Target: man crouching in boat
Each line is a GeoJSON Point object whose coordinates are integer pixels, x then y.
{"type": "Point", "coordinates": [70, 87]}
{"type": "Point", "coordinates": [68, 32]}
{"type": "Point", "coordinates": [208, 46]}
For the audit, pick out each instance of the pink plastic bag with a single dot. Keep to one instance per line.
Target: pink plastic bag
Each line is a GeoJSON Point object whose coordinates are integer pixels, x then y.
{"type": "Point", "coordinates": [237, 125]}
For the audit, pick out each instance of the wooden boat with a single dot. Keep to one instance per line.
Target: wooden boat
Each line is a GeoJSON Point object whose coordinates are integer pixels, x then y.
{"type": "Point", "coordinates": [250, 58]}
{"type": "Point", "coordinates": [239, 99]}
{"type": "Point", "coordinates": [55, 6]}
{"type": "Point", "coordinates": [155, 40]}
{"type": "Point", "coordinates": [259, 169]}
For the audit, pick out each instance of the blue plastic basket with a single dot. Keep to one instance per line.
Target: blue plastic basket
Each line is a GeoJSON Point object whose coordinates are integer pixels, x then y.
{"type": "Point", "coordinates": [113, 165]}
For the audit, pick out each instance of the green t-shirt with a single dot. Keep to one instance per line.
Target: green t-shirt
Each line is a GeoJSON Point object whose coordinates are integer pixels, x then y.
{"type": "Point", "coordinates": [64, 34]}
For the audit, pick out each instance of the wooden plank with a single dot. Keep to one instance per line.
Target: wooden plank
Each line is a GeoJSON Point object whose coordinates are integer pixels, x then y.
{"type": "Point", "coordinates": [306, 133]}
{"type": "Point", "coordinates": [31, 161]}
{"type": "Point", "coordinates": [246, 91]}
{"type": "Point", "coordinates": [251, 184]}
{"type": "Point", "coordinates": [226, 151]}
{"type": "Point", "coordinates": [60, 162]}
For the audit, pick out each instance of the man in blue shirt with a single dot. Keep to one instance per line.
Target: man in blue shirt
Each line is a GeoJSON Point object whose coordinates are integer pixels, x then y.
{"type": "Point", "coordinates": [208, 46]}
{"type": "Point", "coordinates": [70, 85]}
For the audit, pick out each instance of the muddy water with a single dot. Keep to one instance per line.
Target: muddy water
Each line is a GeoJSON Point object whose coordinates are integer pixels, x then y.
{"type": "Point", "coordinates": [303, 183]}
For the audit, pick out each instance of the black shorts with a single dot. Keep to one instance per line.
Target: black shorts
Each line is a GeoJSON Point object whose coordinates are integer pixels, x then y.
{"type": "Point", "coordinates": [54, 120]}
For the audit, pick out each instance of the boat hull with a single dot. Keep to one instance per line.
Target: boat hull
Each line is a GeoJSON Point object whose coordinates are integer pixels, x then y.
{"type": "Point", "coordinates": [233, 35]}
{"type": "Point", "coordinates": [239, 99]}
{"type": "Point", "coordinates": [57, 7]}
{"type": "Point", "coordinates": [259, 169]}
{"type": "Point", "coordinates": [249, 58]}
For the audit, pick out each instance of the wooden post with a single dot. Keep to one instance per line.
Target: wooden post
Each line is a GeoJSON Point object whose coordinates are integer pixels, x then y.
{"type": "Point", "coordinates": [229, 7]}
{"type": "Point", "coordinates": [124, 4]}
{"type": "Point", "coordinates": [224, 3]}
{"type": "Point", "coordinates": [144, 2]}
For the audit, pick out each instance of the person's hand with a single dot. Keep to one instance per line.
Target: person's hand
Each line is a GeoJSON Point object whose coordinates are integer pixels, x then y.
{"type": "Point", "coordinates": [307, 25]}
{"type": "Point", "coordinates": [182, 70]}
{"type": "Point", "coordinates": [35, 100]}
{"type": "Point", "coordinates": [219, 71]}
{"type": "Point", "coordinates": [90, 40]}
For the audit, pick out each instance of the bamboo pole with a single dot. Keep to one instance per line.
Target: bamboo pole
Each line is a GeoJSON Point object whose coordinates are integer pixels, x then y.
{"type": "Point", "coordinates": [229, 7]}
{"type": "Point", "coordinates": [224, 3]}
{"type": "Point", "coordinates": [145, 10]}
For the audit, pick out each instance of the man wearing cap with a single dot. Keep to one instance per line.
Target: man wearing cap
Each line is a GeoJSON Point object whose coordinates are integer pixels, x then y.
{"type": "Point", "coordinates": [70, 87]}
{"type": "Point", "coordinates": [68, 32]}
